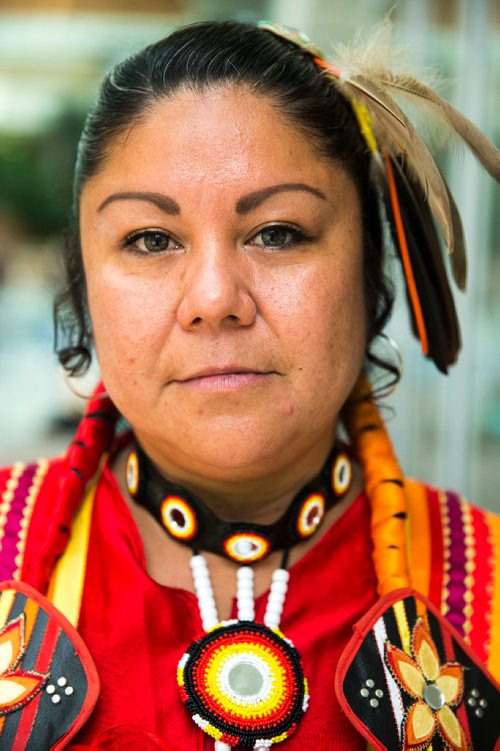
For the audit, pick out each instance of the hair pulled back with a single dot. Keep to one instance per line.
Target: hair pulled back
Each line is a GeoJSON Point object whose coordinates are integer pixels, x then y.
{"type": "Point", "coordinates": [199, 57]}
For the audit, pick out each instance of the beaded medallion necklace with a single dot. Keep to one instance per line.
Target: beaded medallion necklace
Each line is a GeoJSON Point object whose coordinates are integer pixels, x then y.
{"type": "Point", "coordinates": [241, 681]}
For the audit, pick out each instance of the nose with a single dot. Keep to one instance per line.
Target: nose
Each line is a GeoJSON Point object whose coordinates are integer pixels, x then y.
{"type": "Point", "coordinates": [216, 289]}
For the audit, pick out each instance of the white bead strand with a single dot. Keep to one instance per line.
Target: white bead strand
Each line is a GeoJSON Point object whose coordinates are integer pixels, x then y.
{"type": "Point", "coordinates": [204, 592]}
{"type": "Point", "coordinates": [244, 594]}
{"type": "Point", "coordinates": [221, 746]}
{"type": "Point", "coordinates": [274, 609]}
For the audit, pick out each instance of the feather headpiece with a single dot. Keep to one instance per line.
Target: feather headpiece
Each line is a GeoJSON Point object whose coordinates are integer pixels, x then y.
{"type": "Point", "coordinates": [419, 206]}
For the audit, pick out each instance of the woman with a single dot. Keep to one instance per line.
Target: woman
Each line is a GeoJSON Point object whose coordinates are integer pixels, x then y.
{"type": "Point", "coordinates": [227, 266]}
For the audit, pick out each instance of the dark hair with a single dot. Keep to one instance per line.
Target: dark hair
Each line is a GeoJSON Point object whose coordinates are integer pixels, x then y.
{"type": "Point", "coordinates": [210, 55]}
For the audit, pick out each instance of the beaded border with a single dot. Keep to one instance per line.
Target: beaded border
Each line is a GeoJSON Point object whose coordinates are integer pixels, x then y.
{"type": "Point", "coordinates": [18, 499]}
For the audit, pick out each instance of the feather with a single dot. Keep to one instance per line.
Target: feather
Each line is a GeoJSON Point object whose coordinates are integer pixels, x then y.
{"type": "Point", "coordinates": [437, 307]}
{"type": "Point", "coordinates": [377, 60]}
{"type": "Point", "coordinates": [482, 148]}
{"type": "Point", "coordinates": [459, 256]}
{"type": "Point", "coordinates": [396, 135]}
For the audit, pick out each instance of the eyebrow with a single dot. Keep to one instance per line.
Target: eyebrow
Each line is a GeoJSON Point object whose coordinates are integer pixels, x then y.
{"type": "Point", "coordinates": [165, 203]}
{"type": "Point", "coordinates": [244, 205]}
{"type": "Point", "coordinates": [252, 200]}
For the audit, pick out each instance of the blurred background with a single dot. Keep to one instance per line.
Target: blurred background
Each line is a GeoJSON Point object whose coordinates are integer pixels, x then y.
{"type": "Point", "coordinates": [53, 53]}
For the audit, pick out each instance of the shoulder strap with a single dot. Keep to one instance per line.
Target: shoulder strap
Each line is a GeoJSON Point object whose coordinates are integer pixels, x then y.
{"type": "Point", "coordinates": [65, 590]}
{"type": "Point", "coordinates": [454, 559]}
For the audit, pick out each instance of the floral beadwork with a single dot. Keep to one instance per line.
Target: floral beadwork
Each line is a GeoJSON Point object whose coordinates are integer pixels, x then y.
{"type": "Point", "coordinates": [436, 688]}
{"type": "Point", "coordinates": [17, 687]}
{"type": "Point", "coordinates": [243, 684]}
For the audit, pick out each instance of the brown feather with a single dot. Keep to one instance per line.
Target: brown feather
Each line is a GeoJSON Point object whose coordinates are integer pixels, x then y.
{"type": "Point", "coordinates": [482, 148]}
{"type": "Point", "coordinates": [396, 132]}
{"type": "Point", "coordinates": [426, 257]}
{"type": "Point", "coordinates": [458, 258]}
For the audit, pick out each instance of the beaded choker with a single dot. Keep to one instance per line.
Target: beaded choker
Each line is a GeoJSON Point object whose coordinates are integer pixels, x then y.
{"type": "Point", "coordinates": [187, 519]}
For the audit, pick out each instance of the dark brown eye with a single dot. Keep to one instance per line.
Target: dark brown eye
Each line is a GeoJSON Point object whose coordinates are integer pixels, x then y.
{"type": "Point", "coordinates": [275, 237]}
{"type": "Point", "coordinates": [154, 242]}
{"type": "Point", "coordinates": [149, 242]}
{"type": "Point", "coordinates": [278, 236]}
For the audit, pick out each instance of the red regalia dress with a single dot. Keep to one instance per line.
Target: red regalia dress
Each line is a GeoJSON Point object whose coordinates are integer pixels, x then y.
{"type": "Point", "coordinates": [136, 629]}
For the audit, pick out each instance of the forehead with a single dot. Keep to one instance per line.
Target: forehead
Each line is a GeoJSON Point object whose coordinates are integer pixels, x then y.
{"type": "Point", "coordinates": [224, 138]}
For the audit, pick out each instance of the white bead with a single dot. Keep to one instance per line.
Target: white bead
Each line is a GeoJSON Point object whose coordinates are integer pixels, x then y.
{"type": "Point", "coordinates": [245, 572]}
{"type": "Point", "coordinates": [281, 574]}
{"type": "Point", "coordinates": [203, 585]}
{"type": "Point", "coordinates": [275, 607]}
{"type": "Point", "coordinates": [198, 563]}
{"type": "Point", "coordinates": [202, 580]}
{"type": "Point", "coordinates": [208, 610]}
{"type": "Point", "coordinates": [246, 605]}
{"type": "Point", "coordinates": [208, 625]}
{"type": "Point", "coordinates": [245, 583]}
{"type": "Point", "coordinates": [204, 592]}
{"type": "Point", "coordinates": [221, 746]}
{"type": "Point", "coordinates": [279, 586]}
{"type": "Point", "coordinates": [276, 596]}
{"type": "Point", "coordinates": [206, 599]}
{"type": "Point", "coordinates": [245, 594]}
{"type": "Point", "coordinates": [271, 621]}
{"type": "Point", "coordinates": [209, 617]}
{"type": "Point", "coordinates": [244, 615]}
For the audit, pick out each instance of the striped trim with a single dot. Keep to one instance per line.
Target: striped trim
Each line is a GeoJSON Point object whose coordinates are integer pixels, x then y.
{"type": "Point", "coordinates": [403, 627]}
{"type": "Point", "coordinates": [451, 551]}
{"type": "Point", "coordinates": [454, 586]}
{"type": "Point", "coordinates": [18, 499]}
{"type": "Point", "coordinates": [480, 570]}
{"type": "Point", "coordinates": [393, 689]}
{"type": "Point", "coordinates": [468, 569]}
{"type": "Point", "coordinates": [68, 578]}
{"type": "Point", "coordinates": [494, 656]}
{"type": "Point", "coordinates": [42, 665]}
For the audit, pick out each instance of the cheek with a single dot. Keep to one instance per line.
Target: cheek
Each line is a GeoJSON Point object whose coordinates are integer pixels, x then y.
{"type": "Point", "coordinates": [325, 324]}
{"type": "Point", "coordinates": [130, 318]}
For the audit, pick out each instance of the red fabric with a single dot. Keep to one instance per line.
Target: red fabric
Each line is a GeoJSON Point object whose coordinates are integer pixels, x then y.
{"type": "Point", "coordinates": [436, 532]}
{"type": "Point", "coordinates": [137, 630]}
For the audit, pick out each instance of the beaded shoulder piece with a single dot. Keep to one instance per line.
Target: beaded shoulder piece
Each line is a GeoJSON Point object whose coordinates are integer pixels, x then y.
{"type": "Point", "coordinates": [407, 680]}
{"type": "Point", "coordinates": [48, 681]}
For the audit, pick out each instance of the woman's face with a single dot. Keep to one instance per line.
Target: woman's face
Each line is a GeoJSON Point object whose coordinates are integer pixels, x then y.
{"type": "Point", "coordinates": [223, 260]}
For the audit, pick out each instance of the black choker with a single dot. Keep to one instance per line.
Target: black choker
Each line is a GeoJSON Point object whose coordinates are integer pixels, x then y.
{"type": "Point", "coordinates": [187, 519]}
